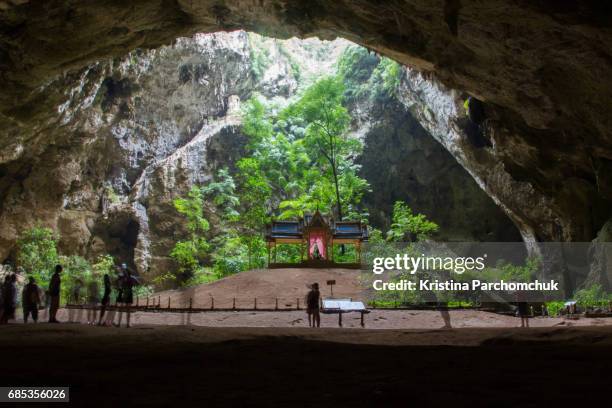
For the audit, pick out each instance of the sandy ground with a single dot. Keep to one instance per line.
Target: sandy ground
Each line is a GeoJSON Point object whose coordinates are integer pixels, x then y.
{"type": "Point", "coordinates": [301, 367]}
{"type": "Point", "coordinates": [376, 319]}
{"type": "Point", "coordinates": [287, 285]}
{"type": "Point", "coordinates": [242, 359]}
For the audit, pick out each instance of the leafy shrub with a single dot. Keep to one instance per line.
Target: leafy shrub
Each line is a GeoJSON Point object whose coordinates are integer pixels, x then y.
{"type": "Point", "coordinates": [409, 226]}
{"type": "Point", "coordinates": [37, 253]}
{"type": "Point", "coordinates": [593, 296]}
{"type": "Point", "coordinates": [554, 308]}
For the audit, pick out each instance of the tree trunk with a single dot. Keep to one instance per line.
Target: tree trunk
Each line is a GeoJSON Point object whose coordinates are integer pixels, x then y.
{"type": "Point", "coordinates": [338, 203]}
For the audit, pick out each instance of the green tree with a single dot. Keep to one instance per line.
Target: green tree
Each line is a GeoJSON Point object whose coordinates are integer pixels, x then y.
{"type": "Point", "coordinates": [409, 226]}
{"type": "Point", "coordinates": [190, 253]}
{"type": "Point", "coordinates": [37, 253]}
{"type": "Point", "coordinates": [255, 196]}
{"type": "Point", "coordinates": [222, 192]}
{"type": "Point", "coordinates": [327, 122]}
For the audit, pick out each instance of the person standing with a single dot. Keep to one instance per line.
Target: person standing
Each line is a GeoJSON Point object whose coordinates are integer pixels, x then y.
{"type": "Point", "coordinates": [2, 285]}
{"type": "Point", "coordinates": [105, 297]}
{"type": "Point", "coordinates": [129, 282]}
{"type": "Point", "coordinates": [74, 315]}
{"type": "Point", "coordinates": [93, 298]}
{"type": "Point", "coordinates": [312, 306]}
{"type": "Point", "coordinates": [9, 296]}
{"type": "Point", "coordinates": [30, 299]}
{"type": "Point", "coordinates": [54, 293]}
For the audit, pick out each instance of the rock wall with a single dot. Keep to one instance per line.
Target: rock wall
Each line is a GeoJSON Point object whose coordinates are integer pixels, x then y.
{"type": "Point", "coordinates": [113, 144]}
{"type": "Point", "coordinates": [541, 67]}
{"type": "Point", "coordinates": [117, 141]}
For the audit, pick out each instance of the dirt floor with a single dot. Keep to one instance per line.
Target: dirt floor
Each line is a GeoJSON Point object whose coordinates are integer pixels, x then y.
{"type": "Point", "coordinates": [287, 285]}
{"type": "Point", "coordinates": [376, 319]}
{"type": "Point", "coordinates": [301, 367]}
{"type": "Point", "coordinates": [256, 358]}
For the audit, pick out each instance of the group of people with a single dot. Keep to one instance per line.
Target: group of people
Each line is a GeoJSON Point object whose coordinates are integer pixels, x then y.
{"type": "Point", "coordinates": [33, 298]}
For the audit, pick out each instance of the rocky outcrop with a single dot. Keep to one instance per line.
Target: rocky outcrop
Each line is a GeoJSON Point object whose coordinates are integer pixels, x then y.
{"type": "Point", "coordinates": [113, 145]}
{"type": "Point", "coordinates": [117, 141]}
{"type": "Point", "coordinates": [546, 207]}
{"type": "Point", "coordinates": [541, 67]}
{"type": "Point", "coordinates": [402, 161]}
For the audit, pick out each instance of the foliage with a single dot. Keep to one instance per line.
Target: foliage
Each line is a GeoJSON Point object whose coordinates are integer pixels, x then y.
{"type": "Point", "coordinates": [593, 296]}
{"type": "Point", "coordinates": [104, 264]}
{"type": "Point", "coordinates": [355, 67]}
{"type": "Point", "coordinates": [192, 207]}
{"type": "Point", "coordinates": [554, 308]}
{"type": "Point", "coordinates": [143, 291]}
{"type": "Point", "coordinates": [112, 196]}
{"type": "Point", "coordinates": [408, 226]}
{"type": "Point", "coordinates": [390, 73]}
{"type": "Point", "coordinates": [325, 120]}
{"type": "Point", "coordinates": [222, 193]}
{"type": "Point", "coordinates": [519, 273]}
{"type": "Point", "coordinates": [240, 253]}
{"type": "Point", "coordinates": [259, 55]}
{"type": "Point", "coordinates": [296, 71]}
{"type": "Point", "coordinates": [367, 75]}
{"type": "Point", "coordinates": [77, 272]}
{"type": "Point", "coordinates": [189, 254]}
{"type": "Point", "coordinates": [164, 279]}
{"type": "Point", "coordinates": [37, 253]}
{"type": "Point", "coordinates": [200, 276]}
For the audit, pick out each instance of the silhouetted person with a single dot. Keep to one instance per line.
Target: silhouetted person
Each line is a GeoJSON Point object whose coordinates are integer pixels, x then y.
{"type": "Point", "coordinates": [75, 293]}
{"type": "Point", "coordinates": [523, 309]}
{"type": "Point", "coordinates": [93, 298]}
{"type": "Point", "coordinates": [312, 306]}
{"type": "Point", "coordinates": [105, 297]}
{"type": "Point", "coordinates": [443, 307]}
{"type": "Point", "coordinates": [54, 293]}
{"type": "Point", "coordinates": [126, 282]}
{"type": "Point", "coordinates": [9, 298]}
{"type": "Point", "coordinates": [2, 285]}
{"type": "Point", "coordinates": [129, 282]}
{"type": "Point", "coordinates": [118, 297]}
{"type": "Point", "coordinates": [30, 300]}
{"type": "Point", "coordinates": [75, 298]}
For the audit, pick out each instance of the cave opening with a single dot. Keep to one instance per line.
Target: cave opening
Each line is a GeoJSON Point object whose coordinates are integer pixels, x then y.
{"type": "Point", "coordinates": [172, 119]}
{"type": "Point", "coordinates": [169, 135]}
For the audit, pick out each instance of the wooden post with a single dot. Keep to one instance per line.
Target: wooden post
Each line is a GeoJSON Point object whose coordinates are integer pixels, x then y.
{"type": "Point", "coordinates": [159, 301]}
{"type": "Point", "coordinates": [234, 304]}
{"type": "Point", "coordinates": [298, 303]}
{"type": "Point", "coordinates": [190, 304]}
{"type": "Point", "coordinates": [362, 323]}
{"type": "Point", "coordinates": [255, 303]}
{"type": "Point", "coordinates": [340, 318]}
{"type": "Point", "coordinates": [147, 302]}
{"type": "Point", "coordinates": [136, 301]}
{"type": "Point", "coordinates": [168, 302]}
{"type": "Point", "coordinates": [212, 303]}
{"type": "Point", "coordinates": [276, 306]}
